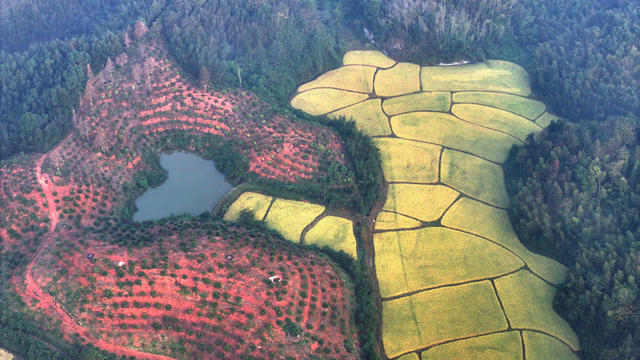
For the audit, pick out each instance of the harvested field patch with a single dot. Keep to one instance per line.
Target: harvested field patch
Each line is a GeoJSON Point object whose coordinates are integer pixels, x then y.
{"type": "Point", "coordinates": [474, 177]}
{"type": "Point", "coordinates": [334, 232]}
{"type": "Point", "coordinates": [367, 57]}
{"type": "Point", "coordinates": [542, 347]}
{"type": "Point", "coordinates": [368, 117]}
{"type": "Point", "coordinates": [446, 130]}
{"type": "Point", "coordinates": [254, 202]}
{"type": "Point", "coordinates": [390, 221]}
{"type": "Point", "coordinates": [424, 202]}
{"type": "Point", "coordinates": [353, 78]}
{"type": "Point", "coordinates": [492, 75]}
{"type": "Point", "coordinates": [494, 224]}
{"type": "Point", "coordinates": [500, 346]}
{"type": "Point", "coordinates": [290, 217]}
{"type": "Point", "coordinates": [527, 301]}
{"type": "Point", "coordinates": [408, 161]}
{"type": "Point", "coordinates": [545, 119]}
{"type": "Point", "coordinates": [403, 78]}
{"type": "Point", "coordinates": [322, 101]}
{"type": "Point", "coordinates": [5, 355]}
{"type": "Point", "coordinates": [439, 315]}
{"type": "Point", "coordinates": [419, 259]}
{"type": "Point", "coordinates": [497, 119]}
{"type": "Point", "coordinates": [519, 105]}
{"type": "Point", "coordinates": [422, 101]}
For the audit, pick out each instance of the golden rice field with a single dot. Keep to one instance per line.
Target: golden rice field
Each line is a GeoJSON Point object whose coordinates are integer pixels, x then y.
{"type": "Point", "coordinates": [368, 116]}
{"type": "Point", "coordinates": [455, 281]}
{"type": "Point", "coordinates": [258, 204]}
{"type": "Point", "coordinates": [334, 232]}
{"type": "Point", "coordinates": [291, 217]}
{"type": "Point", "coordinates": [518, 105]}
{"type": "Point", "coordinates": [422, 101]}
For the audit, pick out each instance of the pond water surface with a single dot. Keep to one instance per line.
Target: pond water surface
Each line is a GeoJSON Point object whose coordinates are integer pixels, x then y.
{"type": "Point", "coordinates": [193, 186]}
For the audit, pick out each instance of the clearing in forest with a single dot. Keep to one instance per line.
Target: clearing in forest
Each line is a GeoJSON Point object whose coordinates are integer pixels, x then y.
{"type": "Point", "coordinates": [455, 281]}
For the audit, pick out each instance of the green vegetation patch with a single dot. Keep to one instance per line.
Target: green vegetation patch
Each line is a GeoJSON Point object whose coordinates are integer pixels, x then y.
{"type": "Point", "coordinates": [545, 119]}
{"type": "Point", "coordinates": [494, 224]}
{"type": "Point", "coordinates": [419, 259]}
{"type": "Point", "coordinates": [409, 161]}
{"type": "Point", "coordinates": [492, 75]}
{"type": "Point", "coordinates": [368, 117]}
{"type": "Point", "coordinates": [290, 217]}
{"type": "Point", "coordinates": [500, 346]}
{"type": "Point", "coordinates": [367, 57]}
{"type": "Point", "coordinates": [527, 301]}
{"type": "Point", "coordinates": [334, 232]}
{"type": "Point", "coordinates": [391, 221]}
{"type": "Point", "coordinates": [353, 78]}
{"type": "Point", "coordinates": [542, 347]}
{"type": "Point", "coordinates": [430, 317]}
{"type": "Point", "coordinates": [447, 130]}
{"type": "Point", "coordinates": [422, 101]}
{"type": "Point", "coordinates": [403, 78]}
{"type": "Point", "coordinates": [519, 105]}
{"type": "Point", "coordinates": [424, 202]}
{"type": "Point", "coordinates": [497, 119]}
{"type": "Point", "coordinates": [254, 202]}
{"type": "Point", "coordinates": [474, 177]}
{"type": "Point", "coordinates": [322, 101]}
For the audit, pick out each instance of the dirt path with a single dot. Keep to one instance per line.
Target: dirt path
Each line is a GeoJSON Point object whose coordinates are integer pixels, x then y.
{"type": "Point", "coordinates": [34, 292]}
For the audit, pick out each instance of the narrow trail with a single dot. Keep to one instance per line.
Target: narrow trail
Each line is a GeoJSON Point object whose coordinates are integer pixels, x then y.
{"type": "Point", "coordinates": [33, 292]}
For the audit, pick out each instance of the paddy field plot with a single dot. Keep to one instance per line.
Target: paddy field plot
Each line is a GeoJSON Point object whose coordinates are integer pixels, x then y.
{"type": "Point", "coordinates": [412, 260]}
{"type": "Point", "coordinates": [492, 75]}
{"type": "Point", "coordinates": [368, 117]}
{"type": "Point", "coordinates": [367, 57]}
{"type": "Point", "coordinates": [254, 202]}
{"type": "Point", "coordinates": [499, 346]}
{"type": "Point", "coordinates": [408, 161]}
{"type": "Point", "coordinates": [545, 119]}
{"type": "Point", "coordinates": [334, 232]}
{"type": "Point", "coordinates": [290, 217]}
{"type": "Point", "coordinates": [518, 105]}
{"type": "Point", "coordinates": [411, 356]}
{"type": "Point", "coordinates": [496, 119]}
{"type": "Point", "coordinates": [494, 224]}
{"type": "Point", "coordinates": [403, 78]}
{"type": "Point", "coordinates": [439, 315]}
{"type": "Point", "coordinates": [527, 303]}
{"type": "Point", "coordinates": [446, 130]}
{"type": "Point", "coordinates": [422, 101]}
{"type": "Point", "coordinates": [353, 78]}
{"type": "Point", "coordinates": [542, 347]}
{"type": "Point", "coordinates": [391, 221]}
{"type": "Point", "coordinates": [424, 202]}
{"type": "Point", "coordinates": [321, 101]}
{"type": "Point", "coordinates": [474, 177]}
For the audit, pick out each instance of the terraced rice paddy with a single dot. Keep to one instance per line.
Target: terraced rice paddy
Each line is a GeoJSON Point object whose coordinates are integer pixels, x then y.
{"type": "Point", "coordinates": [297, 221]}
{"type": "Point", "coordinates": [455, 281]}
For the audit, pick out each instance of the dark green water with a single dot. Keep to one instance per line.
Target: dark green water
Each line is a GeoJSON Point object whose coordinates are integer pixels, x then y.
{"type": "Point", "coordinates": [194, 186]}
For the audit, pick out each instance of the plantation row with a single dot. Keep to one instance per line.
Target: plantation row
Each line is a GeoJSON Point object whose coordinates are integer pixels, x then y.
{"type": "Point", "coordinates": [454, 279]}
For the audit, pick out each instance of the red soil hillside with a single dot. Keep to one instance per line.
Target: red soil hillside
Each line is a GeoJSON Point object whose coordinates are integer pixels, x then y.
{"type": "Point", "coordinates": [57, 207]}
{"type": "Point", "coordinates": [203, 292]}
